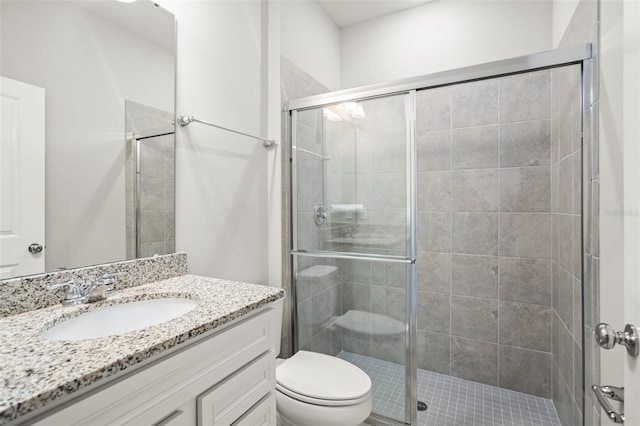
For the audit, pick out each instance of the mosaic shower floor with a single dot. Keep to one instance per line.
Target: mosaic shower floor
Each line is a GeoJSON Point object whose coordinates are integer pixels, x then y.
{"type": "Point", "coordinates": [452, 401]}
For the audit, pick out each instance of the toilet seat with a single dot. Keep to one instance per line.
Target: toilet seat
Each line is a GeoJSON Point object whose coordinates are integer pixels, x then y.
{"type": "Point", "coordinates": [321, 402]}
{"type": "Point", "coordinates": [322, 380]}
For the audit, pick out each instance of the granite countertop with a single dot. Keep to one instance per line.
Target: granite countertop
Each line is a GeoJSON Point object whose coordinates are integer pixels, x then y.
{"type": "Point", "coordinates": [36, 372]}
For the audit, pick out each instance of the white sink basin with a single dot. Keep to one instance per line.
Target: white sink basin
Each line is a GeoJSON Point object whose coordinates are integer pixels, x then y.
{"type": "Point", "coordinates": [118, 319]}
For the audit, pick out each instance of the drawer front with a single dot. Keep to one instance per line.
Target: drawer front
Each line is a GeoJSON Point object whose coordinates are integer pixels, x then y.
{"type": "Point", "coordinates": [228, 401]}
{"type": "Point", "coordinates": [261, 414]}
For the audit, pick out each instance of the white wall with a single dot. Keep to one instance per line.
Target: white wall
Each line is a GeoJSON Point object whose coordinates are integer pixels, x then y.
{"type": "Point", "coordinates": [440, 36]}
{"type": "Point", "coordinates": [311, 39]}
{"type": "Point", "coordinates": [221, 205]}
{"type": "Point", "coordinates": [78, 58]}
{"type": "Point", "coordinates": [561, 14]}
{"type": "Point", "coordinates": [273, 16]}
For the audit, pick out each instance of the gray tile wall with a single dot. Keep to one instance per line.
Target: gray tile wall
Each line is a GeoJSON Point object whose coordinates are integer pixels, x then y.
{"type": "Point", "coordinates": [484, 231]}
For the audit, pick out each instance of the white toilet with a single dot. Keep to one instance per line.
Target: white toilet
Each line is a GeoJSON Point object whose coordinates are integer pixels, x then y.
{"type": "Point", "coordinates": [314, 389]}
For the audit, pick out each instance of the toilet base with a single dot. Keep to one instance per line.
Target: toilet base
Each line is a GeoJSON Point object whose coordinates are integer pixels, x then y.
{"type": "Point", "coordinates": [292, 412]}
{"type": "Point", "coordinates": [281, 421]}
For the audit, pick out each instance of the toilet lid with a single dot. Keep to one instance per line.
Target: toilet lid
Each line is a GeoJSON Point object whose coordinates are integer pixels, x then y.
{"type": "Point", "coordinates": [322, 379]}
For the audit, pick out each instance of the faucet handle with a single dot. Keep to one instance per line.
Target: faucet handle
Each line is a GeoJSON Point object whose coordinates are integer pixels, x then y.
{"type": "Point", "coordinates": [71, 283]}
{"type": "Point", "coordinates": [75, 288]}
{"type": "Point", "coordinates": [109, 279]}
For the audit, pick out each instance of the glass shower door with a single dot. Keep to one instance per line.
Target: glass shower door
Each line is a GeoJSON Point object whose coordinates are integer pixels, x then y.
{"type": "Point", "coordinates": [354, 240]}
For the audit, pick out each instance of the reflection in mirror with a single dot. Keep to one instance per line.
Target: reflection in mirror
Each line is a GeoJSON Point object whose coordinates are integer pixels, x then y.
{"type": "Point", "coordinates": [84, 61]}
{"type": "Point", "coordinates": [150, 184]}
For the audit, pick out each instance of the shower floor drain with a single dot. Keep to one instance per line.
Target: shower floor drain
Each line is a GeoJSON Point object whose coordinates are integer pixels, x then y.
{"type": "Point", "coordinates": [422, 406]}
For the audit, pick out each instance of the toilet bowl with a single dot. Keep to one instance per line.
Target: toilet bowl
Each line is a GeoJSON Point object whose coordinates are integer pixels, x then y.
{"type": "Point", "coordinates": [314, 389]}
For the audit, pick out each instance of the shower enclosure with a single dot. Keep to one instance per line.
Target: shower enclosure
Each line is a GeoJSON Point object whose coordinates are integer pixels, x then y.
{"type": "Point", "coordinates": [436, 238]}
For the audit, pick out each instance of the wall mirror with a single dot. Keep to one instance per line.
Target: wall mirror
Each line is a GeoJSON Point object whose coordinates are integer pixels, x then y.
{"type": "Point", "coordinates": [87, 151]}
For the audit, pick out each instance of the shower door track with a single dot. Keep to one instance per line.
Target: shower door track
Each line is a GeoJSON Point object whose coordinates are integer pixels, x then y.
{"type": "Point", "coordinates": [518, 65]}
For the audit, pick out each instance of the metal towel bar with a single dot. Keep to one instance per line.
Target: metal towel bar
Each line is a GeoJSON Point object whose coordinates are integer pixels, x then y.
{"type": "Point", "coordinates": [187, 119]}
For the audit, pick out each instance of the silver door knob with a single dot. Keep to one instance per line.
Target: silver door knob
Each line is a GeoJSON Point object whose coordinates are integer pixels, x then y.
{"type": "Point", "coordinates": [607, 338]}
{"type": "Point", "coordinates": [35, 248]}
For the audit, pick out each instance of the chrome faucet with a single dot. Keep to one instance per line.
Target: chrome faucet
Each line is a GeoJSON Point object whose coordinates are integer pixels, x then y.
{"type": "Point", "coordinates": [109, 280]}
{"type": "Point", "coordinates": [81, 292]}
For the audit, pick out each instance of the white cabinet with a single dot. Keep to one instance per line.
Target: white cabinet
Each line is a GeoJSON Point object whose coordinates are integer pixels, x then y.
{"type": "Point", "coordinates": [229, 400]}
{"type": "Point", "coordinates": [226, 378]}
{"type": "Point", "coordinates": [261, 414]}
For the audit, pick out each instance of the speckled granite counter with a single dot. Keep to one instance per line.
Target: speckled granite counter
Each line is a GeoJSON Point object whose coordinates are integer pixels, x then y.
{"type": "Point", "coordinates": [36, 372]}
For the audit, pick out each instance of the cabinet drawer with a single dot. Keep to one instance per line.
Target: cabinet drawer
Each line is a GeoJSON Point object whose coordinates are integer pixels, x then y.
{"type": "Point", "coordinates": [229, 400]}
{"type": "Point", "coordinates": [261, 414]}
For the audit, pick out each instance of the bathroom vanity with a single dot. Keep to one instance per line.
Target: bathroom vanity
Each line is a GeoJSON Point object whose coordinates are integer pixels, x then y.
{"type": "Point", "coordinates": [214, 365]}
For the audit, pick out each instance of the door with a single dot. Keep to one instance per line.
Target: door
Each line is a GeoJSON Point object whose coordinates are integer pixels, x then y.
{"type": "Point", "coordinates": [631, 135]}
{"type": "Point", "coordinates": [21, 178]}
{"type": "Point", "coordinates": [618, 301]}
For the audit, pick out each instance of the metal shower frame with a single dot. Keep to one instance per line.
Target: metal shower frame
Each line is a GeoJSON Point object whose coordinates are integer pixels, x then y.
{"type": "Point", "coordinates": [577, 55]}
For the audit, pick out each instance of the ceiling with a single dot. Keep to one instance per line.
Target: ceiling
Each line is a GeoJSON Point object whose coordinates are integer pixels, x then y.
{"type": "Point", "coordinates": [350, 12]}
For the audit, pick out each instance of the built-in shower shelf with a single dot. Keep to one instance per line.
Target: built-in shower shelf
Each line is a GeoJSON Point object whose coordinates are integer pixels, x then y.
{"type": "Point", "coordinates": [368, 241]}
{"type": "Point", "coordinates": [348, 208]}
{"type": "Point", "coordinates": [368, 324]}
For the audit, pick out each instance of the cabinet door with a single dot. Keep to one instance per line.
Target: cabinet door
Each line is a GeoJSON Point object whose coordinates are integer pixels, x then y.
{"type": "Point", "coordinates": [261, 414]}
{"type": "Point", "coordinates": [226, 402]}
